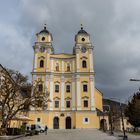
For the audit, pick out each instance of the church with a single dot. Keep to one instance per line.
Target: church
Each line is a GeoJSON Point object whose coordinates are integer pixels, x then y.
{"type": "Point", "coordinates": [70, 80]}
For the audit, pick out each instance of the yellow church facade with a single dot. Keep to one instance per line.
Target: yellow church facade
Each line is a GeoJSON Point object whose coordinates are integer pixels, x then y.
{"type": "Point", "coordinates": [70, 80]}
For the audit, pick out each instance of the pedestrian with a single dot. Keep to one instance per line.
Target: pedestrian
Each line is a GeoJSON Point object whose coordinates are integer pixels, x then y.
{"type": "Point", "coordinates": [46, 129]}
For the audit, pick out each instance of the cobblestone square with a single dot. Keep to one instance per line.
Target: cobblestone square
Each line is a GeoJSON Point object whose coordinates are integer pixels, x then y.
{"type": "Point", "coordinates": [83, 134]}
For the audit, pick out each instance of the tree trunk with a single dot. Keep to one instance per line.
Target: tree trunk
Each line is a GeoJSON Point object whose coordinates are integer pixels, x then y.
{"type": "Point", "coordinates": [4, 128]}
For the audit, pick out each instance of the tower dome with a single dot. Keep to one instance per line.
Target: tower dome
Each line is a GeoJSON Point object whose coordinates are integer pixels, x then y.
{"type": "Point", "coordinates": [44, 36]}
{"type": "Point", "coordinates": [82, 37]}
{"type": "Point", "coordinates": [82, 31]}
{"type": "Point", "coordinates": [44, 31]}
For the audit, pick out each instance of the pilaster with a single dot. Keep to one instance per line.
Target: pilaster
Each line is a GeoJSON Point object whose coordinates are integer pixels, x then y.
{"type": "Point", "coordinates": [78, 92]}
{"type": "Point", "coordinates": [73, 93]}
{"type": "Point", "coordinates": [92, 88]}
{"type": "Point", "coordinates": [51, 92]}
{"type": "Point", "coordinates": [62, 93]}
{"type": "Point", "coordinates": [91, 60]}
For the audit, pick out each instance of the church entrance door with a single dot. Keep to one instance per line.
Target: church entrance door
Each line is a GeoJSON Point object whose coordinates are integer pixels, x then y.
{"type": "Point", "coordinates": [68, 123]}
{"type": "Point", "coordinates": [56, 123]}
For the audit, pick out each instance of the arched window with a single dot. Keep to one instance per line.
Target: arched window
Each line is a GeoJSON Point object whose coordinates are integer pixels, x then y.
{"type": "Point", "coordinates": [68, 67]}
{"type": "Point", "coordinates": [56, 88]}
{"type": "Point", "coordinates": [57, 67]}
{"type": "Point", "coordinates": [85, 103]}
{"type": "Point", "coordinates": [85, 88]}
{"type": "Point", "coordinates": [84, 64]}
{"type": "Point", "coordinates": [41, 63]}
{"type": "Point", "coordinates": [68, 104]}
{"type": "Point", "coordinates": [40, 87]}
{"type": "Point", "coordinates": [67, 88]}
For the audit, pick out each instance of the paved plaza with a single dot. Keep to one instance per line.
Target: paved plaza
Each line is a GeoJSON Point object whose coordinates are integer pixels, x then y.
{"type": "Point", "coordinates": [83, 134]}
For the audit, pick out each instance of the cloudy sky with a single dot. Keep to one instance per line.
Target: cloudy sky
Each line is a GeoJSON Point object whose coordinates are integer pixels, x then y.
{"type": "Point", "coordinates": [114, 26]}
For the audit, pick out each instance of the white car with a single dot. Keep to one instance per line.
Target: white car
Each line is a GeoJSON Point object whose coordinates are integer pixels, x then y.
{"type": "Point", "coordinates": [42, 127]}
{"type": "Point", "coordinates": [37, 127]}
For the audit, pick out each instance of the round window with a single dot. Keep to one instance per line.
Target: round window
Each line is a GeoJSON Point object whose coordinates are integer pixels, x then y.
{"type": "Point", "coordinates": [43, 38]}
{"type": "Point", "coordinates": [83, 39]}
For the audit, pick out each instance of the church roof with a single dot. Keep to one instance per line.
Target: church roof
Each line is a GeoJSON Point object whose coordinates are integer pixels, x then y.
{"type": "Point", "coordinates": [82, 31]}
{"type": "Point", "coordinates": [45, 31]}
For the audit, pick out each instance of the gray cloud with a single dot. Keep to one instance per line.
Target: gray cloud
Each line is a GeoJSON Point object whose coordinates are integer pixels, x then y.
{"type": "Point", "coordinates": [113, 26]}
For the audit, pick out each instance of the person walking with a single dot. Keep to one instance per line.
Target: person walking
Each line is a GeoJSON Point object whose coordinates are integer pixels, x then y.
{"type": "Point", "coordinates": [46, 129]}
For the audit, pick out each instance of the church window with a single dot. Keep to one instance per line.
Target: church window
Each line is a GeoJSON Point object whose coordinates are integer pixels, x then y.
{"type": "Point", "coordinates": [67, 88]}
{"type": "Point", "coordinates": [84, 64]}
{"type": "Point", "coordinates": [41, 63]}
{"type": "Point", "coordinates": [57, 67]}
{"type": "Point", "coordinates": [68, 67]}
{"type": "Point", "coordinates": [86, 119]}
{"type": "Point", "coordinates": [83, 39]}
{"type": "Point", "coordinates": [43, 38]}
{"type": "Point", "coordinates": [56, 104]}
{"type": "Point", "coordinates": [38, 120]}
{"type": "Point", "coordinates": [68, 104]}
{"type": "Point", "coordinates": [40, 87]}
{"type": "Point", "coordinates": [85, 88]}
{"type": "Point", "coordinates": [56, 88]}
{"type": "Point", "coordinates": [85, 103]}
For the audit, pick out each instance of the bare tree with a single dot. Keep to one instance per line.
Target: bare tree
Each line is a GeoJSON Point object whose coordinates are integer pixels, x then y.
{"type": "Point", "coordinates": [16, 95]}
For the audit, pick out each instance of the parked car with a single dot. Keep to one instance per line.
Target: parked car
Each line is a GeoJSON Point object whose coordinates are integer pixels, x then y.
{"type": "Point", "coordinates": [33, 129]}
{"type": "Point", "coordinates": [42, 127]}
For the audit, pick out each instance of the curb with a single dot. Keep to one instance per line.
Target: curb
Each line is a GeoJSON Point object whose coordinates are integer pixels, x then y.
{"type": "Point", "coordinates": [11, 137]}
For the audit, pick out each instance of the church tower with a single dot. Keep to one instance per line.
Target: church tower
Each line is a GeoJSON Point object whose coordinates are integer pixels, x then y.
{"type": "Point", "coordinates": [42, 50]}
{"type": "Point", "coordinates": [84, 67]}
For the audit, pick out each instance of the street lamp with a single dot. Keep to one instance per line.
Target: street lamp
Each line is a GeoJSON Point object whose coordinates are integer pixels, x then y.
{"type": "Point", "coordinates": [124, 134]}
{"type": "Point", "coordinates": [110, 115]}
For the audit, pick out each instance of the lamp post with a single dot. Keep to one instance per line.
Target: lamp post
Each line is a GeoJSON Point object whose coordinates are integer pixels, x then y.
{"type": "Point", "coordinates": [110, 115]}
{"type": "Point", "coordinates": [122, 119]}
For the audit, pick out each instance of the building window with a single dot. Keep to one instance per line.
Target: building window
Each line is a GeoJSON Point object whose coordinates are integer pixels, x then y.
{"type": "Point", "coordinates": [57, 67]}
{"type": "Point", "coordinates": [41, 63]}
{"type": "Point", "coordinates": [68, 67]}
{"type": "Point", "coordinates": [68, 104]}
{"type": "Point", "coordinates": [67, 88]}
{"type": "Point", "coordinates": [85, 88]}
{"type": "Point", "coordinates": [43, 38]}
{"type": "Point", "coordinates": [84, 64]}
{"type": "Point", "coordinates": [56, 104]}
{"type": "Point", "coordinates": [85, 103]}
{"type": "Point", "coordinates": [85, 120]}
{"type": "Point", "coordinates": [38, 120]}
{"type": "Point", "coordinates": [40, 87]}
{"type": "Point", "coordinates": [56, 88]}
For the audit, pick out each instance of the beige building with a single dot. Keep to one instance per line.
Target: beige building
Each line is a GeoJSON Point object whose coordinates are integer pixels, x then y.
{"type": "Point", "coordinates": [117, 124]}
{"type": "Point", "coordinates": [70, 80]}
